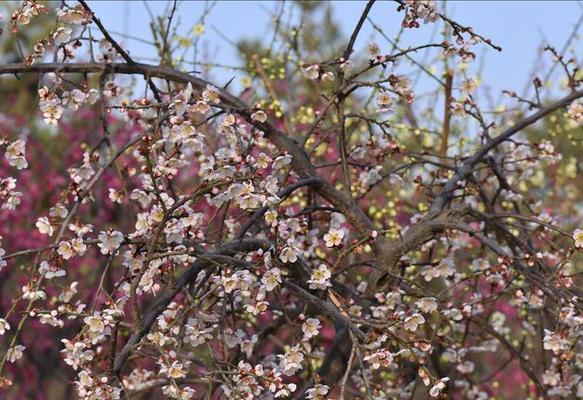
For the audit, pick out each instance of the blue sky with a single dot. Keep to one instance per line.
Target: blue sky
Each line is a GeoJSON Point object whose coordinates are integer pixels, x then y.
{"type": "Point", "coordinates": [518, 26]}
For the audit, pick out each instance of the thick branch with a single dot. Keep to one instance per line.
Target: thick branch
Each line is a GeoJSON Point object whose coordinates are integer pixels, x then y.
{"type": "Point", "coordinates": [300, 161]}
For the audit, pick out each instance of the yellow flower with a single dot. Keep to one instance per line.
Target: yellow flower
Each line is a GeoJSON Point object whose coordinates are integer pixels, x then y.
{"type": "Point", "coordinates": [246, 81]}
{"type": "Point", "coordinates": [198, 29]}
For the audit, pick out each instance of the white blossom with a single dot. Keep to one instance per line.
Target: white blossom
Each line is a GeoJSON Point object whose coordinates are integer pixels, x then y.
{"type": "Point", "coordinates": [15, 154]}
{"type": "Point", "coordinates": [310, 328]}
{"type": "Point", "coordinates": [291, 361]}
{"type": "Point", "coordinates": [412, 323]}
{"type": "Point", "coordinates": [288, 254]}
{"type": "Point", "coordinates": [578, 238]}
{"type": "Point", "coordinates": [334, 237]}
{"type": "Point", "coordinates": [95, 324]}
{"type": "Point", "coordinates": [15, 353]}
{"type": "Point", "coordinates": [271, 279]}
{"type": "Point", "coordinates": [109, 241]}
{"type": "Point", "coordinates": [61, 35]}
{"type": "Point", "coordinates": [4, 326]}
{"type": "Point", "coordinates": [175, 371]}
{"type": "Point", "coordinates": [44, 226]}
{"type": "Point", "coordinates": [32, 295]}
{"type": "Point", "coordinates": [438, 387]}
{"type": "Point", "coordinates": [553, 342]}
{"type": "Point", "coordinates": [379, 358]}
{"type": "Point", "coordinates": [427, 304]}
{"type": "Point", "coordinates": [318, 392]}
{"type": "Point", "coordinates": [320, 278]}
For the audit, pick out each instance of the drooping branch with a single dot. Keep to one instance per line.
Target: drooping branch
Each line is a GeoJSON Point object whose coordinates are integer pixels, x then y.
{"type": "Point", "coordinates": [182, 281]}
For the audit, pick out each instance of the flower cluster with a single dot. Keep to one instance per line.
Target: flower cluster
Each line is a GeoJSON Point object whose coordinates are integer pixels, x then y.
{"type": "Point", "coordinates": [326, 234]}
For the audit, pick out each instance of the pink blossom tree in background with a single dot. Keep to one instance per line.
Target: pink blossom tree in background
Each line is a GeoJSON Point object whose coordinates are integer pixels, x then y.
{"type": "Point", "coordinates": [327, 232]}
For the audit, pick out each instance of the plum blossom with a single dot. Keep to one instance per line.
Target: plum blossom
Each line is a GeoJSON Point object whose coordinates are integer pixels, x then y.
{"type": "Point", "coordinates": [467, 367]}
{"type": "Point", "coordinates": [32, 294]}
{"type": "Point", "coordinates": [334, 237]}
{"type": "Point", "coordinates": [289, 253]}
{"type": "Point", "coordinates": [211, 95]}
{"type": "Point", "coordinates": [291, 361]}
{"type": "Point", "coordinates": [320, 278]}
{"type": "Point", "coordinates": [384, 100]}
{"type": "Point", "coordinates": [61, 35]}
{"type": "Point", "coordinates": [175, 392]}
{"type": "Point", "coordinates": [95, 324]}
{"type": "Point", "coordinates": [412, 323]}
{"type": "Point", "coordinates": [15, 353]}
{"type": "Point", "coordinates": [438, 387]}
{"type": "Point", "coordinates": [108, 53]}
{"type": "Point", "coordinates": [578, 238]}
{"type": "Point", "coordinates": [10, 197]}
{"type": "Point", "coordinates": [427, 304]}
{"type": "Point", "coordinates": [328, 76]}
{"type": "Point", "coordinates": [551, 377]}
{"type": "Point", "coordinates": [379, 358]}
{"type": "Point", "coordinates": [271, 279]}
{"type": "Point", "coordinates": [69, 249]}
{"type": "Point", "coordinates": [310, 328]}
{"type": "Point", "coordinates": [271, 217]}
{"type": "Point", "coordinates": [4, 326]}
{"type": "Point", "coordinates": [259, 116]}
{"type": "Point", "coordinates": [52, 110]}
{"type": "Point", "coordinates": [109, 241]}
{"type": "Point", "coordinates": [15, 154]}
{"type": "Point", "coordinates": [575, 111]}
{"type": "Point", "coordinates": [553, 342]}
{"type": "Point", "coordinates": [371, 177]}
{"type": "Point", "coordinates": [175, 370]}
{"type": "Point", "coordinates": [76, 353]}
{"type": "Point", "coordinates": [424, 9]}
{"type": "Point", "coordinates": [373, 50]}
{"type": "Point", "coordinates": [312, 71]}
{"type": "Point", "coordinates": [318, 392]}
{"type": "Point", "coordinates": [50, 271]}
{"type": "Point", "coordinates": [74, 15]}
{"type": "Point", "coordinates": [44, 226]}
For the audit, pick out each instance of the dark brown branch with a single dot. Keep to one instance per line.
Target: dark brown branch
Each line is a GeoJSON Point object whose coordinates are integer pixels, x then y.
{"type": "Point", "coordinates": [325, 307]}
{"type": "Point", "coordinates": [464, 171]}
{"type": "Point", "coordinates": [363, 16]}
{"type": "Point", "coordinates": [163, 301]}
{"type": "Point", "coordinates": [282, 195]}
{"type": "Point", "coordinates": [447, 114]}
{"type": "Point", "coordinates": [301, 164]}
{"type": "Point", "coordinates": [106, 34]}
{"type": "Point", "coordinates": [524, 363]}
{"type": "Point", "coordinates": [124, 54]}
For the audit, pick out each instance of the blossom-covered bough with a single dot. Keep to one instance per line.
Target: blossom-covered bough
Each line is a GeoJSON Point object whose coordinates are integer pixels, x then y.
{"type": "Point", "coordinates": [310, 238]}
